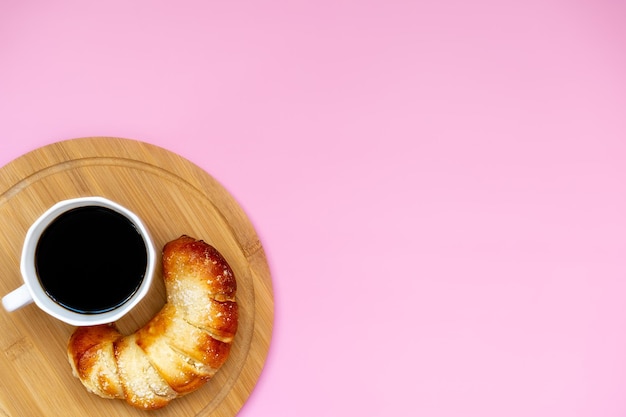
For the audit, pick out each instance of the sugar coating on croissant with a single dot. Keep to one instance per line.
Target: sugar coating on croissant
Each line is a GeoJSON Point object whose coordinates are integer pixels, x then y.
{"type": "Point", "coordinates": [180, 348]}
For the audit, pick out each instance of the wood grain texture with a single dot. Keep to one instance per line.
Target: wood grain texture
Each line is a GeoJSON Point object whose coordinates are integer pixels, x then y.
{"type": "Point", "coordinates": [173, 197]}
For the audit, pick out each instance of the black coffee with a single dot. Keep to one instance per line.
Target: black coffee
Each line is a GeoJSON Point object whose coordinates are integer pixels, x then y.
{"type": "Point", "coordinates": [91, 259]}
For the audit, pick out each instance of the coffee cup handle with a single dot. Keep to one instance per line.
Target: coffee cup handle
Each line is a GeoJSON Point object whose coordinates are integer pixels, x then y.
{"type": "Point", "coordinates": [17, 298]}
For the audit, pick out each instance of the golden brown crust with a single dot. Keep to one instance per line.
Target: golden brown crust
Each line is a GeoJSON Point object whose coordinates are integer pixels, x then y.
{"type": "Point", "coordinates": [180, 348]}
{"type": "Point", "coordinates": [85, 338]}
{"type": "Point", "coordinates": [91, 356]}
{"type": "Point", "coordinates": [199, 261]}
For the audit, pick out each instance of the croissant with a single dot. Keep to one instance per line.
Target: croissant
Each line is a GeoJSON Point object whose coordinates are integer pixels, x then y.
{"type": "Point", "coordinates": [180, 348]}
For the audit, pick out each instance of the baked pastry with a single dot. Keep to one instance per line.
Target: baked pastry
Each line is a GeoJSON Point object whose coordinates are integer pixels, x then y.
{"type": "Point", "coordinates": [180, 348]}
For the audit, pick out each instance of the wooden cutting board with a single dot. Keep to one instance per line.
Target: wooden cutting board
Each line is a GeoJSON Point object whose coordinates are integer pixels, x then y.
{"type": "Point", "coordinates": [173, 197]}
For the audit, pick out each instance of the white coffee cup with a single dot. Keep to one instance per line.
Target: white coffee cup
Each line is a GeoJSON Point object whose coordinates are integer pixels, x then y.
{"type": "Point", "coordinates": [33, 290]}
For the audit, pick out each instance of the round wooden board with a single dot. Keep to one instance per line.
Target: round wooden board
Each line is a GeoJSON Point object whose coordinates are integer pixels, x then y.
{"type": "Point", "coordinates": [173, 197]}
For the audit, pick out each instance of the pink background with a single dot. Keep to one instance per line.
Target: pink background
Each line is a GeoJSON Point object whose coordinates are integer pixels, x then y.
{"type": "Point", "coordinates": [440, 185]}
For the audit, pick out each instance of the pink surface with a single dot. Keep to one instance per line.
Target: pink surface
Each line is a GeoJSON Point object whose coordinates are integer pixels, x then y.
{"type": "Point", "coordinates": [440, 186]}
